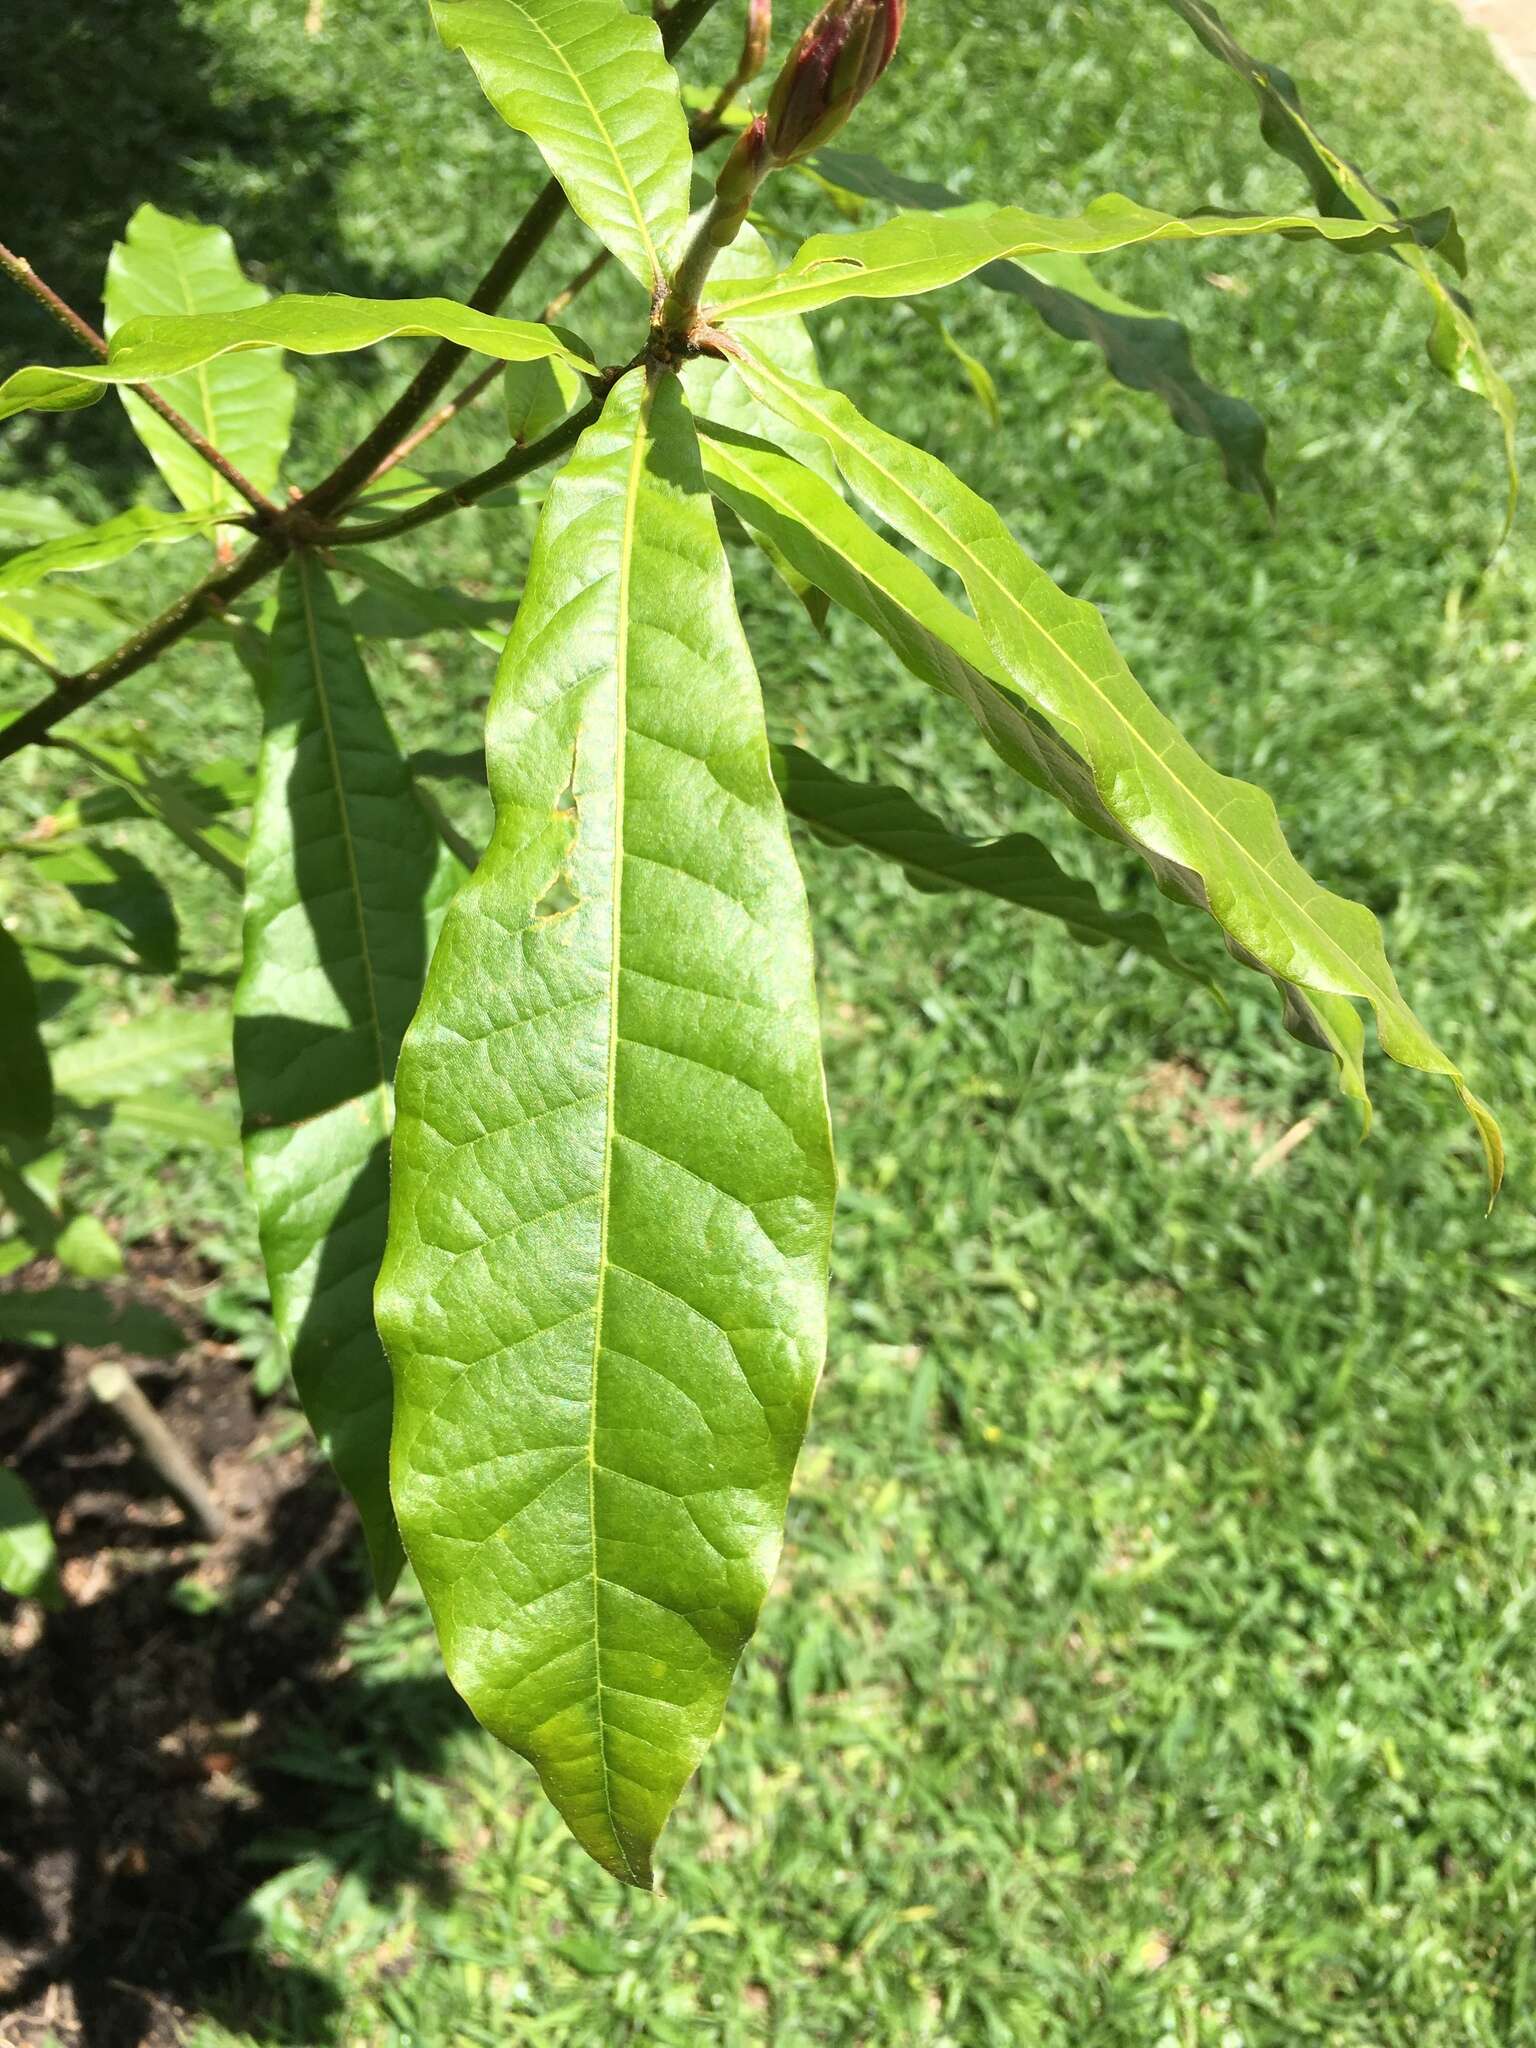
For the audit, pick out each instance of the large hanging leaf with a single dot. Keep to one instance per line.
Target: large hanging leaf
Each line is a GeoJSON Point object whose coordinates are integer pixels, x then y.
{"type": "Point", "coordinates": [587, 82]}
{"type": "Point", "coordinates": [604, 1294]}
{"type": "Point", "coordinates": [1058, 656]}
{"type": "Point", "coordinates": [244, 408]}
{"type": "Point", "coordinates": [29, 1565]}
{"type": "Point", "coordinates": [1143, 350]}
{"type": "Point", "coordinates": [922, 252]}
{"type": "Point", "coordinates": [112, 883]}
{"type": "Point", "coordinates": [93, 547]}
{"type": "Point", "coordinates": [345, 884]}
{"type": "Point", "coordinates": [26, 1084]}
{"type": "Point", "coordinates": [169, 351]}
{"type": "Point", "coordinates": [1018, 868]}
{"type": "Point", "coordinates": [1340, 191]}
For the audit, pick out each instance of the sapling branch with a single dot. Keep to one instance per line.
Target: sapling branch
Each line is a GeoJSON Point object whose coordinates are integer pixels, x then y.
{"type": "Point", "coordinates": [18, 268]}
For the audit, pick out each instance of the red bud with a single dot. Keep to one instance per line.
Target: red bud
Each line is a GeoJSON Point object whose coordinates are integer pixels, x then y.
{"type": "Point", "coordinates": [754, 47]}
{"type": "Point", "coordinates": [836, 61]}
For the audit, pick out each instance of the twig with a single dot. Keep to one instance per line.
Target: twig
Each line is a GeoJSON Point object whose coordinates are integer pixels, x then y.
{"type": "Point", "coordinates": [116, 1388]}
{"type": "Point", "coordinates": [432, 425]}
{"type": "Point", "coordinates": [21, 270]}
{"type": "Point", "coordinates": [578, 284]}
{"type": "Point", "coordinates": [458, 497]}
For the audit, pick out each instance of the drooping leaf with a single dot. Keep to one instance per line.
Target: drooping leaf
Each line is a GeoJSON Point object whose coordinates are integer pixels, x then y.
{"type": "Point", "coordinates": [1340, 191]}
{"type": "Point", "coordinates": [244, 407]}
{"type": "Point", "coordinates": [587, 82]}
{"type": "Point", "coordinates": [1143, 350]}
{"type": "Point", "coordinates": [29, 1564]}
{"type": "Point", "coordinates": [17, 630]}
{"type": "Point", "coordinates": [1058, 657]}
{"type": "Point", "coordinates": [392, 607]}
{"type": "Point", "coordinates": [166, 350]}
{"type": "Point", "coordinates": [93, 547]}
{"type": "Point", "coordinates": [151, 1052]}
{"type": "Point", "coordinates": [80, 1315]}
{"type": "Point", "coordinates": [114, 884]}
{"type": "Point", "coordinates": [1018, 868]}
{"type": "Point", "coordinates": [923, 252]}
{"type": "Point", "coordinates": [346, 881]}
{"type": "Point", "coordinates": [604, 1293]}
{"type": "Point", "coordinates": [26, 1084]}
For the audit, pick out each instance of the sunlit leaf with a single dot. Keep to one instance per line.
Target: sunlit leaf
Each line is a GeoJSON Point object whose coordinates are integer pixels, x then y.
{"type": "Point", "coordinates": [112, 883]}
{"type": "Point", "coordinates": [93, 547]}
{"type": "Point", "coordinates": [29, 1565]}
{"type": "Point", "coordinates": [587, 82]}
{"type": "Point", "coordinates": [604, 1294]}
{"type": "Point", "coordinates": [148, 1053]}
{"type": "Point", "coordinates": [243, 407]}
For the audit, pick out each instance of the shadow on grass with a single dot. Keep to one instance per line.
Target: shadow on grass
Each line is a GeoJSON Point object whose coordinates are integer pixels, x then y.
{"type": "Point", "coordinates": [195, 1754]}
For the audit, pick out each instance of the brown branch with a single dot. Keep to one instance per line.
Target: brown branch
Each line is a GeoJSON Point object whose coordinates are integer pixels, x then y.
{"type": "Point", "coordinates": [21, 270]}
{"type": "Point", "coordinates": [460, 402]}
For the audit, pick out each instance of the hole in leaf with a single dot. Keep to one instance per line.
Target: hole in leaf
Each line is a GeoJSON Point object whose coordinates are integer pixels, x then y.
{"type": "Point", "coordinates": [557, 897]}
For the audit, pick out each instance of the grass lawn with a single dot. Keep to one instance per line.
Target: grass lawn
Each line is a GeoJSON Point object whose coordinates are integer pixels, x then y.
{"type": "Point", "coordinates": [1154, 1661]}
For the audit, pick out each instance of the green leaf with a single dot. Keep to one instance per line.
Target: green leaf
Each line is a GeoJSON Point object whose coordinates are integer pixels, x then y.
{"type": "Point", "coordinates": [346, 882]}
{"type": "Point", "coordinates": [244, 408]}
{"type": "Point", "coordinates": [114, 884]}
{"type": "Point", "coordinates": [187, 802]}
{"type": "Point", "coordinates": [26, 1085]}
{"type": "Point", "coordinates": [178, 1118]}
{"type": "Point", "coordinates": [151, 1052]}
{"type": "Point", "coordinates": [587, 82]}
{"type": "Point", "coordinates": [85, 1246]}
{"type": "Point", "coordinates": [162, 350]}
{"type": "Point", "coordinates": [16, 630]}
{"type": "Point", "coordinates": [922, 252]}
{"type": "Point", "coordinates": [1018, 868]}
{"type": "Point", "coordinates": [604, 1293]}
{"type": "Point", "coordinates": [1142, 350]}
{"type": "Point", "coordinates": [1059, 658]}
{"type": "Point", "coordinates": [975, 371]}
{"type": "Point", "coordinates": [392, 607]}
{"type": "Point", "coordinates": [93, 547]}
{"type": "Point", "coordinates": [1340, 191]}
{"type": "Point", "coordinates": [29, 1564]}
{"type": "Point", "coordinates": [33, 517]}
{"type": "Point", "coordinates": [538, 396]}
{"type": "Point", "coordinates": [79, 1315]}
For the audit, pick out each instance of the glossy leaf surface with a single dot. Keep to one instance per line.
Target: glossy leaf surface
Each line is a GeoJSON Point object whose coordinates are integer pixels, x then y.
{"type": "Point", "coordinates": [26, 1084]}
{"type": "Point", "coordinates": [162, 350]}
{"type": "Point", "coordinates": [1059, 658]}
{"type": "Point", "coordinates": [29, 1564]}
{"type": "Point", "coordinates": [245, 408]}
{"type": "Point", "coordinates": [1341, 191]}
{"type": "Point", "coordinates": [604, 1296]}
{"type": "Point", "coordinates": [923, 252]}
{"type": "Point", "coordinates": [345, 883]}
{"type": "Point", "coordinates": [1018, 868]}
{"type": "Point", "coordinates": [1143, 350]}
{"type": "Point", "coordinates": [587, 82]}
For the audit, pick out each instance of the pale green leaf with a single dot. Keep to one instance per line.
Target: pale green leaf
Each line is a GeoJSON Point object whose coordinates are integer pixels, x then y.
{"type": "Point", "coordinates": [346, 882]}
{"type": "Point", "coordinates": [148, 1053]}
{"type": "Point", "coordinates": [244, 408]}
{"type": "Point", "coordinates": [161, 350]}
{"type": "Point", "coordinates": [28, 515]}
{"type": "Point", "coordinates": [1059, 658]}
{"type": "Point", "coordinates": [85, 1246]}
{"type": "Point", "coordinates": [587, 82]}
{"type": "Point", "coordinates": [26, 1086]}
{"type": "Point", "coordinates": [1018, 868]}
{"type": "Point", "coordinates": [1145, 351]}
{"type": "Point", "coordinates": [392, 607]}
{"type": "Point", "coordinates": [177, 1117]}
{"type": "Point", "coordinates": [29, 1565]}
{"type": "Point", "coordinates": [16, 630]}
{"type": "Point", "coordinates": [93, 547]}
{"type": "Point", "coordinates": [188, 802]}
{"type": "Point", "coordinates": [604, 1294]}
{"type": "Point", "coordinates": [922, 252]}
{"type": "Point", "coordinates": [538, 396]}
{"type": "Point", "coordinates": [1340, 191]}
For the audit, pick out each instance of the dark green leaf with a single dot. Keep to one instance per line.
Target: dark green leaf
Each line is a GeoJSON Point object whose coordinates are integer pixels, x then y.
{"type": "Point", "coordinates": [56, 1316]}
{"type": "Point", "coordinates": [26, 1086]}
{"type": "Point", "coordinates": [116, 885]}
{"type": "Point", "coordinates": [345, 883]}
{"type": "Point", "coordinates": [604, 1293]}
{"type": "Point", "coordinates": [1018, 868]}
